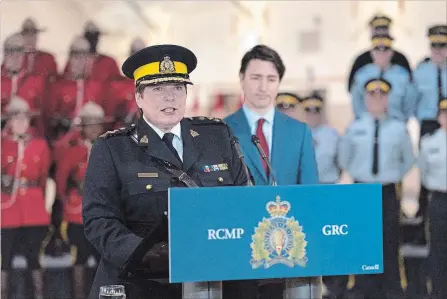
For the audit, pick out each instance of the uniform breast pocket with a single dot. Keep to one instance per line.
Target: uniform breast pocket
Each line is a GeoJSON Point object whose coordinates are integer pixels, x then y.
{"type": "Point", "coordinates": [216, 179]}
{"type": "Point", "coordinates": [147, 186]}
{"type": "Point", "coordinates": [436, 157]}
{"type": "Point", "coordinates": [146, 198]}
{"type": "Point", "coordinates": [361, 141]}
{"type": "Point", "coordinates": [392, 147]}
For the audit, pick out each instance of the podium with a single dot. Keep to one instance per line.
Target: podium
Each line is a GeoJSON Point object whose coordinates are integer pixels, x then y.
{"type": "Point", "coordinates": [298, 233]}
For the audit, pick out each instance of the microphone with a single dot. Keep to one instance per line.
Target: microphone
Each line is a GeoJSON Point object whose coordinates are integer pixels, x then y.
{"type": "Point", "coordinates": [255, 141]}
{"type": "Point", "coordinates": [235, 144]}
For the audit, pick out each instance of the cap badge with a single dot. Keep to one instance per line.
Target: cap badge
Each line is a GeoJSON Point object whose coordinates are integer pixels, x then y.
{"type": "Point", "coordinates": [166, 65]}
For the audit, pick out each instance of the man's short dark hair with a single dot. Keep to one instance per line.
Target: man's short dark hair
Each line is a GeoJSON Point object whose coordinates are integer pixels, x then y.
{"type": "Point", "coordinates": [265, 53]}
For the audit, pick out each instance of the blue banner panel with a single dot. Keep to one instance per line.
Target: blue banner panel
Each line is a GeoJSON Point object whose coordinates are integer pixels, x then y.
{"type": "Point", "coordinates": [236, 233]}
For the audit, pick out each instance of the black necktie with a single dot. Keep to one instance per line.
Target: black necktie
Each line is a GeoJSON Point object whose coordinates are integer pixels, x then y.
{"type": "Point", "coordinates": [375, 167]}
{"type": "Point", "coordinates": [167, 138]}
{"type": "Point", "coordinates": [439, 84]}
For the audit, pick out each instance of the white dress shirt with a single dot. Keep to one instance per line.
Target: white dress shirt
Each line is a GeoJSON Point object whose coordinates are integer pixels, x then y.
{"type": "Point", "coordinates": [177, 142]}
{"type": "Point", "coordinates": [267, 127]}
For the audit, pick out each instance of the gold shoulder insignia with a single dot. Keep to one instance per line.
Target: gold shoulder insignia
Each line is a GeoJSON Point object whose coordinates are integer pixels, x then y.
{"type": "Point", "coordinates": [193, 133]}
{"type": "Point", "coordinates": [201, 120]}
{"type": "Point", "coordinates": [117, 132]}
{"type": "Point", "coordinates": [144, 140]}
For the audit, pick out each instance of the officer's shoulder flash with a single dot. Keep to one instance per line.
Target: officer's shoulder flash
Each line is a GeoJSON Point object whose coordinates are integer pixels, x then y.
{"type": "Point", "coordinates": [118, 132]}
{"type": "Point", "coordinates": [202, 120]}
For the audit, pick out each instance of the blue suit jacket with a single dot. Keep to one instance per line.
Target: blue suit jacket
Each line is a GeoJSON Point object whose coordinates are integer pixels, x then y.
{"type": "Point", "coordinates": [292, 156]}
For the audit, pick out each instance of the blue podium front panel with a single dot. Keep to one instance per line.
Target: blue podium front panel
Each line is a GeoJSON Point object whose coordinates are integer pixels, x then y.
{"type": "Point", "coordinates": [235, 233]}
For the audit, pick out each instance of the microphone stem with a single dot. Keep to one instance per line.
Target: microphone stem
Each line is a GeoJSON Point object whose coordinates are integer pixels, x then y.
{"type": "Point", "coordinates": [264, 157]}
{"type": "Point", "coordinates": [241, 157]}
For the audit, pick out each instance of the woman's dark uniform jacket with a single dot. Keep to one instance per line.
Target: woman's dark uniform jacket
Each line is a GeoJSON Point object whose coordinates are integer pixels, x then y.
{"type": "Point", "coordinates": [125, 191]}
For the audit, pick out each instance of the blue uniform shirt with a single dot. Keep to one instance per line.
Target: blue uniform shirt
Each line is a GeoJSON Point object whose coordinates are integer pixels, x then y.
{"type": "Point", "coordinates": [426, 82]}
{"type": "Point", "coordinates": [326, 145]}
{"type": "Point", "coordinates": [401, 99]}
{"type": "Point", "coordinates": [395, 150]}
{"type": "Point", "coordinates": [432, 161]}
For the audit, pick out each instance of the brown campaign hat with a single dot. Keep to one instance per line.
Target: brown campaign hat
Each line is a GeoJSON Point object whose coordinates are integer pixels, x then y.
{"type": "Point", "coordinates": [91, 114]}
{"type": "Point", "coordinates": [29, 26]}
{"type": "Point", "coordinates": [18, 105]}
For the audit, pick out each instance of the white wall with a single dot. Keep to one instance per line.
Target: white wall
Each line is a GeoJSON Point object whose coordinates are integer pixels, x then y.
{"type": "Point", "coordinates": [208, 28]}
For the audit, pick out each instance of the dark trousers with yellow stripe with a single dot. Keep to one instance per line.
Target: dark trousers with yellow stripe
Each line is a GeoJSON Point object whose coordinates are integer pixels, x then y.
{"type": "Point", "coordinates": [388, 284]}
{"type": "Point", "coordinates": [437, 213]}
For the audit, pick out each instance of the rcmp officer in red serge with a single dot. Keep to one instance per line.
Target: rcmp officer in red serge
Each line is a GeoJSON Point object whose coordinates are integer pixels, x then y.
{"type": "Point", "coordinates": [70, 173]}
{"type": "Point", "coordinates": [70, 92]}
{"type": "Point", "coordinates": [16, 81]}
{"type": "Point", "coordinates": [24, 215]}
{"type": "Point", "coordinates": [130, 170]}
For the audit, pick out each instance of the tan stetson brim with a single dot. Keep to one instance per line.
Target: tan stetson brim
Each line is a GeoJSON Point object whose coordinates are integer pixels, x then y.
{"type": "Point", "coordinates": [85, 121]}
{"type": "Point", "coordinates": [8, 115]}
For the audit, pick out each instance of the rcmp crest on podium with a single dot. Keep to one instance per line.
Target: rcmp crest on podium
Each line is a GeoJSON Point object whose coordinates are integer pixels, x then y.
{"type": "Point", "coordinates": [278, 239]}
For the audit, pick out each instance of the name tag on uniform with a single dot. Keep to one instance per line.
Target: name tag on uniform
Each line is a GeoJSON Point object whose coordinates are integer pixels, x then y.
{"type": "Point", "coordinates": [359, 133]}
{"type": "Point", "coordinates": [148, 174]}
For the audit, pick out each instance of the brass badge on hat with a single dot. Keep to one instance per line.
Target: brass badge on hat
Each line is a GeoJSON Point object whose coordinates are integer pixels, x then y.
{"type": "Point", "coordinates": [166, 65]}
{"type": "Point", "coordinates": [144, 139]}
{"type": "Point", "coordinates": [193, 133]}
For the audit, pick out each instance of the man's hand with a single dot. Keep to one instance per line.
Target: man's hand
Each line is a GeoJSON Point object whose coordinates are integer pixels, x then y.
{"type": "Point", "coordinates": [157, 258]}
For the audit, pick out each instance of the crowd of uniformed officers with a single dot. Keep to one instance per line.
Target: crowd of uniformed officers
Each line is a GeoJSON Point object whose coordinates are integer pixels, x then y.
{"type": "Point", "coordinates": [50, 120]}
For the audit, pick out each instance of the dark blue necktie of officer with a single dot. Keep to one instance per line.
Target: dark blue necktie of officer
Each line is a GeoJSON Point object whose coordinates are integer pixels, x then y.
{"type": "Point", "coordinates": [375, 166]}
{"type": "Point", "coordinates": [168, 138]}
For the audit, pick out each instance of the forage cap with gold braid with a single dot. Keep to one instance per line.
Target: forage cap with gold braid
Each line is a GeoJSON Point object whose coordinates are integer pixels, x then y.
{"type": "Point", "coordinates": [313, 102]}
{"type": "Point", "coordinates": [438, 36]}
{"type": "Point", "coordinates": [382, 41]}
{"type": "Point", "coordinates": [160, 64]}
{"type": "Point", "coordinates": [378, 85]}
{"type": "Point", "coordinates": [443, 105]}
{"type": "Point", "coordinates": [286, 100]}
{"type": "Point", "coordinates": [380, 21]}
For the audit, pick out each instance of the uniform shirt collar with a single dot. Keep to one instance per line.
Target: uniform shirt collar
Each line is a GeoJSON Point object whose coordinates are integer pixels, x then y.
{"type": "Point", "coordinates": [253, 117]}
{"type": "Point", "coordinates": [176, 130]}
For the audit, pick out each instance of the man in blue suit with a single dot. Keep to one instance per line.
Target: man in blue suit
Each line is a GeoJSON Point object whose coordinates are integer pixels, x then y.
{"type": "Point", "coordinates": [288, 143]}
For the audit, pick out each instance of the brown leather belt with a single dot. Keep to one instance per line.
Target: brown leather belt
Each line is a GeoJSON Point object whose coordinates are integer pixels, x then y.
{"type": "Point", "coordinates": [8, 184]}
{"type": "Point", "coordinates": [23, 183]}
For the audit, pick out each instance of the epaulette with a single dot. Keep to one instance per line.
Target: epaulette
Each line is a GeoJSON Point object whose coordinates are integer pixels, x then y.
{"type": "Point", "coordinates": [202, 120]}
{"type": "Point", "coordinates": [118, 132]}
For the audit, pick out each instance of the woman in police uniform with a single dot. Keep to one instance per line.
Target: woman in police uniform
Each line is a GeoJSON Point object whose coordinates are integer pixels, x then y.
{"type": "Point", "coordinates": [130, 170]}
